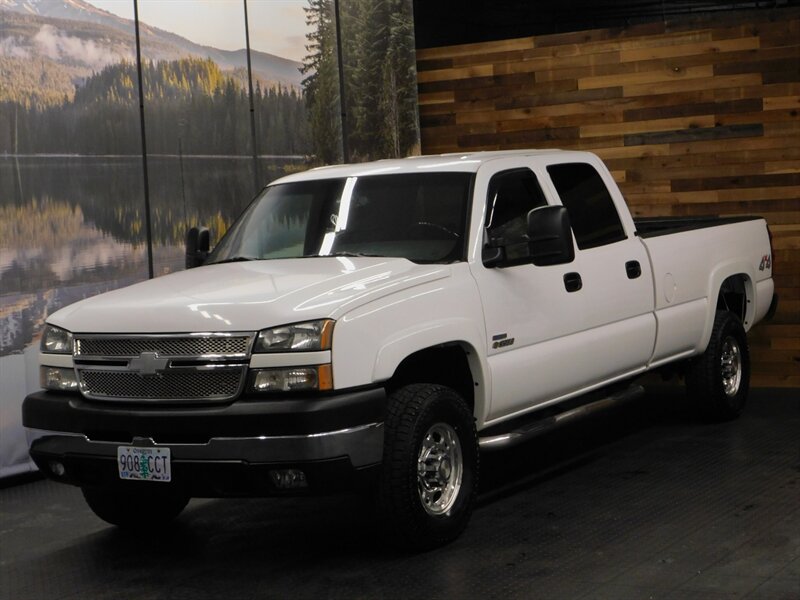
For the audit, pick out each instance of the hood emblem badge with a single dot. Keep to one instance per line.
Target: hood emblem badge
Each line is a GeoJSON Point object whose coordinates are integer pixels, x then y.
{"type": "Point", "coordinates": [148, 364]}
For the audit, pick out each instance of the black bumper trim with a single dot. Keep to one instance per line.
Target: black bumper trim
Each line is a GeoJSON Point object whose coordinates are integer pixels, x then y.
{"type": "Point", "coordinates": [211, 479]}
{"type": "Point", "coordinates": [118, 422]}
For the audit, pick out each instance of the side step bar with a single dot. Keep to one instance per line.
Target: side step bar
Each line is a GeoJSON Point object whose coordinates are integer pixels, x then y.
{"type": "Point", "coordinates": [543, 424]}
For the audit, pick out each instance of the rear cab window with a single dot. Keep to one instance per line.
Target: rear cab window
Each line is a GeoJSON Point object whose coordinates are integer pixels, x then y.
{"type": "Point", "coordinates": [594, 217]}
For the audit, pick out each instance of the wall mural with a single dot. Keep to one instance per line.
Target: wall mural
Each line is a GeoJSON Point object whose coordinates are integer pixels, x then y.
{"type": "Point", "coordinates": [72, 209]}
{"type": "Point", "coordinates": [379, 76]}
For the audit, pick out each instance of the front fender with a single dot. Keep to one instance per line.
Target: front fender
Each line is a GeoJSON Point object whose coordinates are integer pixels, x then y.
{"type": "Point", "coordinates": [419, 336]}
{"type": "Point", "coordinates": [371, 341]}
{"type": "Point", "coordinates": [454, 331]}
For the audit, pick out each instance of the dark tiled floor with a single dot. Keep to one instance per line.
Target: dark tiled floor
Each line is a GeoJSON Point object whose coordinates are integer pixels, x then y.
{"type": "Point", "coordinates": [639, 503]}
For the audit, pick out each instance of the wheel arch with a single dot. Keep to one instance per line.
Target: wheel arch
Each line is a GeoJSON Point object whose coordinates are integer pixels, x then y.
{"type": "Point", "coordinates": [446, 364]}
{"type": "Point", "coordinates": [735, 296]}
{"type": "Point", "coordinates": [732, 288]}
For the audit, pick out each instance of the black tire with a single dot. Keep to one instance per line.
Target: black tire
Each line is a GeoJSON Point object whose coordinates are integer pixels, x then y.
{"type": "Point", "coordinates": [432, 424]}
{"type": "Point", "coordinates": [125, 507]}
{"type": "Point", "coordinates": [718, 381]}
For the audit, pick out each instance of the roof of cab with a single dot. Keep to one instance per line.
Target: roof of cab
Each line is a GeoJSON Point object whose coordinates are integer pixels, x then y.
{"type": "Point", "coordinates": [467, 162]}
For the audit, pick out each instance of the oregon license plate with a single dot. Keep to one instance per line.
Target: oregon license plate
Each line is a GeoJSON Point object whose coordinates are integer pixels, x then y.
{"type": "Point", "coordinates": [144, 464]}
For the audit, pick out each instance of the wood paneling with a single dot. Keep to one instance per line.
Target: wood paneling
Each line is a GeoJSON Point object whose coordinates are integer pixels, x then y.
{"type": "Point", "coordinates": [692, 118]}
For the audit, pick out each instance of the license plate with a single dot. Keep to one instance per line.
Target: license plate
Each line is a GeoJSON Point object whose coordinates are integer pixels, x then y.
{"type": "Point", "coordinates": [144, 464]}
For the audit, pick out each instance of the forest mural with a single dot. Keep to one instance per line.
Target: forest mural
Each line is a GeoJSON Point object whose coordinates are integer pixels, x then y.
{"type": "Point", "coordinates": [380, 93]}
{"type": "Point", "coordinates": [72, 186]}
{"type": "Point", "coordinates": [189, 99]}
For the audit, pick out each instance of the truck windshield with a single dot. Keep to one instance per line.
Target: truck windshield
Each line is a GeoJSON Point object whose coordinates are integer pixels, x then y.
{"type": "Point", "coordinates": [418, 216]}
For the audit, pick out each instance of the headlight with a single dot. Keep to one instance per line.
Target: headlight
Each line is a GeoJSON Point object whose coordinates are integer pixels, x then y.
{"type": "Point", "coordinates": [58, 378]}
{"type": "Point", "coordinates": [56, 340]}
{"type": "Point", "coordinates": [300, 337]}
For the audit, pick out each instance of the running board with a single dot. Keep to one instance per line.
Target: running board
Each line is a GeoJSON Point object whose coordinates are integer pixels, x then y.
{"type": "Point", "coordinates": [538, 426]}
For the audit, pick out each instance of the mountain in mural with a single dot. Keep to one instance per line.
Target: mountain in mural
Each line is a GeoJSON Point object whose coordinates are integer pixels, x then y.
{"type": "Point", "coordinates": [63, 9]}
{"type": "Point", "coordinates": [49, 47]}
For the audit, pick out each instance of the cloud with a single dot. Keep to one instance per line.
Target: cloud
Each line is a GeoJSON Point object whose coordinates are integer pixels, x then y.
{"type": "Point", "coordinates": [12, 47]}
{"type": "Point", "coordinates": [54, 44]}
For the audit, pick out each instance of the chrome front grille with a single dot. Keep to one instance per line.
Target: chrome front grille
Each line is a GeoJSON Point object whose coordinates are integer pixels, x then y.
{"type": "Point", "coordinates": [176, 384]}
{"type": "Point", "coordinates": [238, 345]}
{"type": "Point", "coordinates": [173, 368]}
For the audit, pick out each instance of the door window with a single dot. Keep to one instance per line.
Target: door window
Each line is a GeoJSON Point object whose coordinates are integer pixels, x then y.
{"type": "Point", "coordinates": [594, 217]}
{"type": "Point", "coordinates": [512, 195]}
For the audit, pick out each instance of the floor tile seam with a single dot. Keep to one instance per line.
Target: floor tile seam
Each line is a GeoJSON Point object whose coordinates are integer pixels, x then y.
{"type": "Point", "coordinates": [635, 588]}
{"type": "Point", "coordinates": [676, 508]}
{"type": "Point", "coordinates": [635, 494]}
{"type": "Point", "coordinates": [708, 567]}
{"type": "Point", "coordinates": [766, 581]}
{"type": "Point", "coordinates": [51, 547]}
{"type": "Point", "coordinates": [686, 536]}
{"type": "Point", "coordinates": [741, 591]}
{"type": "Point", "coordinates": [786, 567]}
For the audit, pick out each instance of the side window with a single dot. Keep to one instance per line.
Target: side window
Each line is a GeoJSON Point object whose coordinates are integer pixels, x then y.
{"type": "Point", "coordinates": [512, 195]}
{"type": "Point", "coordinates": [594, 217]}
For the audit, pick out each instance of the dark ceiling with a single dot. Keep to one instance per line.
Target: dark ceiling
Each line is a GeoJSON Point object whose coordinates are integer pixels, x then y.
{"type": "Point", "coordinates": [448, 22]}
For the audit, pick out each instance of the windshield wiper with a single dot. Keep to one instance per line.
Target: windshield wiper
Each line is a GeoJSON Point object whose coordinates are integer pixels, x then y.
{"type": "Point", "coordinates": [233, 259]}
{"type": "Point", "coordinates": [332, 254]}
{"type": "Point", "coordinates": [354, 254]}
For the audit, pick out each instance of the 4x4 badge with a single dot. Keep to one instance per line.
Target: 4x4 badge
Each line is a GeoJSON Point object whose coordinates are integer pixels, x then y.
{"type": "Point", "coordinates": [766, 262]}
{"type": "Point", "coordinates": [148, 364]}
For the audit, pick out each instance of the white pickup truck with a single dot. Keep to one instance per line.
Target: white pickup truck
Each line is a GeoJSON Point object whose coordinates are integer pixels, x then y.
{"type": "Point", "coordinates": [384, 323]}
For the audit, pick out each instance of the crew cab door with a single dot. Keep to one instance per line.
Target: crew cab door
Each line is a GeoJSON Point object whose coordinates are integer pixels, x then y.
{"type": "Point", "coordinates": [559, 329]}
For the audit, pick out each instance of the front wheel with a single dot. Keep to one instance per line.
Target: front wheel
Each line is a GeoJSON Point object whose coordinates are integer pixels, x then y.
{"type": "Point", "coordinates": [430, 466]}
{"type": "Point", "coordinates": [718, 380]}
{"type": "Point", "coordinates": [129, 508]}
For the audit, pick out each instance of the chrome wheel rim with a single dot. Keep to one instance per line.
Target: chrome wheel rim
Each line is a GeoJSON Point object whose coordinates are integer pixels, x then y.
{"type": "Point", "coordinates": [440, 468]}
{"type": "Point", "coordinates": [731, 366]}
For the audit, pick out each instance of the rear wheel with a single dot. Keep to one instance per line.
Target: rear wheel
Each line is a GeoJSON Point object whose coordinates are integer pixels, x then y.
{"type": "Point", "coordinates": [718, 380]}
{"type": "Point", "coordinates": [430, 467]}
{"type": "Point", "coordinates": [127, 508]}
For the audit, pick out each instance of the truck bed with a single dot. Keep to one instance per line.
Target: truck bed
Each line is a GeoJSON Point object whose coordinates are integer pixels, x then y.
{"type": "Point", "coordinates": [648, 227]}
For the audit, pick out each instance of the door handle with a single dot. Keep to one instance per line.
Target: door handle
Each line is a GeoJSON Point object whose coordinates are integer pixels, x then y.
{"type": "Point", "coordinates": [633, 269]}
{"type": "Point", "coordinates": [573, 282]}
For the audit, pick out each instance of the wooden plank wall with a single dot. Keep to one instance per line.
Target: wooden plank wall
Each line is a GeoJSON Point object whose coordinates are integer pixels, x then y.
{"type": "Point", "coordinates": [693, 118]}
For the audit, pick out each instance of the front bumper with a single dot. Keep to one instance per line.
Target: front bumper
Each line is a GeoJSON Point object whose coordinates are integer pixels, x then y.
{"type": "Point", "coordinates": [229, 450]}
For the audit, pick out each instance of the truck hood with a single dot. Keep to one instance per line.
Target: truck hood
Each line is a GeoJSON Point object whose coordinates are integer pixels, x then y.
{"type": "Point", "coordinates": [246, 296]}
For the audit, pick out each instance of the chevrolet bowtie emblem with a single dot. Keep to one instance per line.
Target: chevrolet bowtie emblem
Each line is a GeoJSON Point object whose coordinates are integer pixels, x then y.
{"type": "Point", "coordinates": [148, 364]}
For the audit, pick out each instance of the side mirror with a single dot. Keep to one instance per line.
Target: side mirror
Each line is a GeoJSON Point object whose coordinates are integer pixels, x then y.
{"type": "Point", "coordinates": [550, 236]}
{"type": "Point", "coordinates": [198, 244]}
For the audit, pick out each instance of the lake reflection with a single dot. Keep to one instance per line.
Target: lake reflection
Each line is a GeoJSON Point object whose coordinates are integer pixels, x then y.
{"type": "Point", "coordinates": [72, 227]}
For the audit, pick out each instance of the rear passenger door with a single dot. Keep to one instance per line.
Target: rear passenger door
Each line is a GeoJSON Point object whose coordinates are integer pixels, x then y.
{"type": "Point", "coordinates": [611, 271]}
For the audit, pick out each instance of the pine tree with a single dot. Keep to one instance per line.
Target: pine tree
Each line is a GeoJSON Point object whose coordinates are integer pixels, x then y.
{"type": "Point", "coordinates": [380, 78]}
{"type": "Point", "coordinates": [321, 84]}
